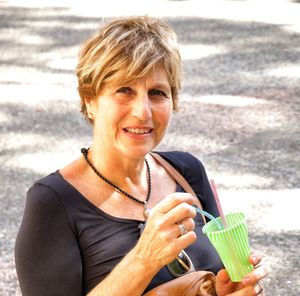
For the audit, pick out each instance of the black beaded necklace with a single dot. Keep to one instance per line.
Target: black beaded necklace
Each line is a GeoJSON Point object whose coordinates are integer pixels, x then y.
{"type": "Point", "coordinates": [84, 151]}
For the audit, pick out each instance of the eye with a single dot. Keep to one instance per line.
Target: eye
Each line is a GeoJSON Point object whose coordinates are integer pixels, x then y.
{"type": "Point", "coordinates": [157, 92]}
{"type": "Point", "coordinates": [124, 90]}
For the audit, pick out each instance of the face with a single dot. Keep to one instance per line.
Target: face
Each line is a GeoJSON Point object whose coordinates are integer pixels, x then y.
{"type": "Point", "coordinates": [130, 120]}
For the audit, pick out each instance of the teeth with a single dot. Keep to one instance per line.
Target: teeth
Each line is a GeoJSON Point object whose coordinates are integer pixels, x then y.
{"type": "Point", "coordinates": [137, 130]}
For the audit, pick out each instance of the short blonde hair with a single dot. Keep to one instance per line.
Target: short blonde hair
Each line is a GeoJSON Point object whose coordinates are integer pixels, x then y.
{"type": "Point", "coordinates": [125, 50]}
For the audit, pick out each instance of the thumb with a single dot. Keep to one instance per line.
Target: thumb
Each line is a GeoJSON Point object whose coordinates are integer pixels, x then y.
{"type": "Point", "coordinates": [222, 277]}
{"type": "Point", "coordinates": [223, 283]}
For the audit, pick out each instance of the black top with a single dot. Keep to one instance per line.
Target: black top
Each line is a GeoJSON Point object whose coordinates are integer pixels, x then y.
{"type": "Point", "coordinates": [66, 245]}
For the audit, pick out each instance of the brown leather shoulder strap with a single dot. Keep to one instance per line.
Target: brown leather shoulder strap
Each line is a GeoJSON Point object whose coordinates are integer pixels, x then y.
{"type": "Point", "coordinates": [177, 176]}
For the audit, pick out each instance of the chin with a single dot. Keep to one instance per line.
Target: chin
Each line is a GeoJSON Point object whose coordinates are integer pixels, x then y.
{"type": "Point", "coordinates": [138, 152]}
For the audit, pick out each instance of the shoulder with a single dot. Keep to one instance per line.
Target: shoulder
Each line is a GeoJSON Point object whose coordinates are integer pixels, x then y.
{"type": "Point", "coordinates": [47, 188]}
{"type": "Point", "coordinates": [41, 196]}
{"type": "Point", "coordinates": [45, 201]}
{"type": "Point", "coordinates": [46, 196]}
{"type": "Point", "coordinates": [184, 162]}
{"type": "Point", "coordinates": [43, 190]}
{"type": "Point", "coordinates": [53, 188]}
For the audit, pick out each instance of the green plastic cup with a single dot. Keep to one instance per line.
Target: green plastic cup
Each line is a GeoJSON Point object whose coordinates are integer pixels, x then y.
{"type": "Point", "coordinates": [232, 244]}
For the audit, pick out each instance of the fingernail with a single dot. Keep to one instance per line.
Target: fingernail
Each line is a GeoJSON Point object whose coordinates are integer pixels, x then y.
{"type": "Point", "coordinates": [246, 280]}
{"type": "Point", "coordinates": [261, 272]}
{"type": "Point", "coordinates": [254, 259]}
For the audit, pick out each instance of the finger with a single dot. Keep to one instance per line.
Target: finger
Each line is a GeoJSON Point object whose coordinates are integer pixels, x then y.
{"type": "Point", "coordinates": [188, 223]}
{"type": "Point", "coordinates": [180, 212]}
{"type": "Point", "coordinates": [255, 258]}
{"type": "Point", "coordinates": [184, 227]}
{"type": "Point", "coordinates": [258, 288]}
{"type": "Point", "coordinates": [185, 240]}
{"type": "Point", "coordinates": [246, 291]}
{"type": "Point", "coordinates": [223, 277]}
{"type": "Point", "coordinates": [174, 200]}
{"type": "Point", "coordinates": [257, 274]}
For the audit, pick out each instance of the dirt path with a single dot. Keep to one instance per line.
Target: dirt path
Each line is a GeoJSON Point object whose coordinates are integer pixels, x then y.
{"type": "Point", "coordinates": [240, 112]}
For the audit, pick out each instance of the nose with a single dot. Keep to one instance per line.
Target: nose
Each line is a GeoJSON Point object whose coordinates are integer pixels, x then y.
{"type": "Point", "coordinates": [141, 108]}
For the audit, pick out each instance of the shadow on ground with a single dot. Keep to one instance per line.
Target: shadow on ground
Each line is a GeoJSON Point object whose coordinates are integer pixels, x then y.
{"type": "Point", "coordinates": [258, 139]}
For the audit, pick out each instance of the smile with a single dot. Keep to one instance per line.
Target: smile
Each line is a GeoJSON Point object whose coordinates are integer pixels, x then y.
{"type": "Point", "coordinates": [138, 131]}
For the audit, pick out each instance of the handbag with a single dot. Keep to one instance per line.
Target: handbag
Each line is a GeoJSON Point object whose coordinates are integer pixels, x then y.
{"type": "Point", "coordinates": [197, 283]}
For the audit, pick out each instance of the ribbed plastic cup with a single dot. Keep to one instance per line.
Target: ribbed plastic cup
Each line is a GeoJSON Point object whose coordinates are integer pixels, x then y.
{"type": "Point", "coordinates": [232, 245]}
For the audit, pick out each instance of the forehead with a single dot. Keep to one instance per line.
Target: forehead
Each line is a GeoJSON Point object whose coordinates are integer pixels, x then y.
{"type": "Point", "coordinates": [157, 75]}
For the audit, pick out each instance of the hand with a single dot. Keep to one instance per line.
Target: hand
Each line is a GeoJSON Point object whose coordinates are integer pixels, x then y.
{"type": "Point", "coordinates": [248, 286]}
{"type": "Point", "coordinates": [161, 241]}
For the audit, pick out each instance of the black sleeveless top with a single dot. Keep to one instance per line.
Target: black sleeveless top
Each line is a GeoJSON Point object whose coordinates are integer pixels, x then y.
{"type": "Point", "coordinates": [66, 245]}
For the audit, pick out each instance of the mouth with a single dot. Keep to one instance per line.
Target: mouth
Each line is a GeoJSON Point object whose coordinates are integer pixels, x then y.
{"type": "Point", "coordinates": [138, 131]}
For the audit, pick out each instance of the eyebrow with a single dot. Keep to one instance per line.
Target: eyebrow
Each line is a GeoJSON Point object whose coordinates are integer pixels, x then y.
{"type": "Point", "coordinates": [162, 85]}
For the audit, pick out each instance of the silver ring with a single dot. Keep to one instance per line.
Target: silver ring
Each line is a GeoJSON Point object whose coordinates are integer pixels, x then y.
{"type": "Point", "coordinates": [182, 229]}
{"type": "Point", "coordinates": [259, 288]}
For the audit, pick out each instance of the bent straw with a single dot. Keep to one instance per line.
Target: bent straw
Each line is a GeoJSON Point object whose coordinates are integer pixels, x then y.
{"type": "Point", "coordinates": [214, 189]}
{"type": "Point", "coordinates": [211, 217]}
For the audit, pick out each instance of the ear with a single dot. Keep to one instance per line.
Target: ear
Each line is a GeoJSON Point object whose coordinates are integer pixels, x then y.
{"type": "Point", "coordinates": [90, 106]}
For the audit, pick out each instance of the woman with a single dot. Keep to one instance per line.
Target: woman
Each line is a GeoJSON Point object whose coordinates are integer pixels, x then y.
{"type": "Point", "coordinates": [81, 230]}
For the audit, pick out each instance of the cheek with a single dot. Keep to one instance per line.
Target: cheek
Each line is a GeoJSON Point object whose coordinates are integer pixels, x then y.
{"type": "Point", "coordinates": [167, 111]}
{"type": "Point", "coordinates": [103, 122]}
{"type": "Point", "coordinates": [108, 113]}
{"type": "Point", "coordinates": [164, 115]}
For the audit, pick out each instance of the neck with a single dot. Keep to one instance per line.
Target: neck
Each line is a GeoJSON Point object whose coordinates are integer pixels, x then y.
{"type": "Point", "coordinates": [121, 190]}
{"type": "Point", "coordinates": [131, 171]}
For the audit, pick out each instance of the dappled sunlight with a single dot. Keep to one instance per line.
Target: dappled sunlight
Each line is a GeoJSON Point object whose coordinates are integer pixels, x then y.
{"type": "Point", "coordinates": [188, 140]}
{"type": "Point", "coordinates": [226, 100]}
{"type": "Point", "coordinates": [245, 180]}
{"type": "Point", "coordinates": [292, 28]}
{"type": "Point", "coordinates": [7, 35]}
{"type": "Point", "coordinates": [198, 51]}
{"type": "Point", "coordinates": [291, 71]}
{"type": "Point", "coordinates": [42, 163]}
{"type": "Point", "coordinates": [270, 208]}
{"type": "Point", "coordinates": [32, 157]}
{"type": "Point", "coordinates": [35, 94]}
{"type": "Point", "coordinates": [238, 112]}
{"type": "Point", "coordinates": [23, 141]}
{"type": "Point", "coordinates": [4, 117]}
{"type": "Point", "coordinates": [33, 39]}
{"type": "Point", "coordinates": [30, 75]}
{"type": "Point", "coordinates": [60, 61]}
{"type": "Point", "coordinates": [282, 12]}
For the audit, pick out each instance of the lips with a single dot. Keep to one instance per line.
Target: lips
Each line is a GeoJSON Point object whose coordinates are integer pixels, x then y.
{"type": "Point", "coordinates": [138, 131]}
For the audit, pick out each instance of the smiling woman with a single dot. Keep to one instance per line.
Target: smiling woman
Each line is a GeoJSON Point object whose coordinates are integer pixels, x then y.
{"type": "Point", "coordinates": [131, 119]}
{"type": "Point", "coordinates": [122, 53]}
{"type": "Point", "coordinates": [81, 230]}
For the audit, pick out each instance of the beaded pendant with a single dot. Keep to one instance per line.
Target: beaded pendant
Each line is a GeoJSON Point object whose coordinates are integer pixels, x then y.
{"type": "Point", "coordinates": [146, 210]}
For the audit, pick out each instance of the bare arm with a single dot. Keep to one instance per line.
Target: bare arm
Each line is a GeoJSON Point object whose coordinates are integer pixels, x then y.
{"type": "Point", "coordinates": [130, 277]}
{"type": "Point", "coordinates": [159, 244]}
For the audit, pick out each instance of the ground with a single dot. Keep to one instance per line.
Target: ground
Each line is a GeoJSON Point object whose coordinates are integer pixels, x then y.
{"type": "Point", "coordinates": [239, 110]}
